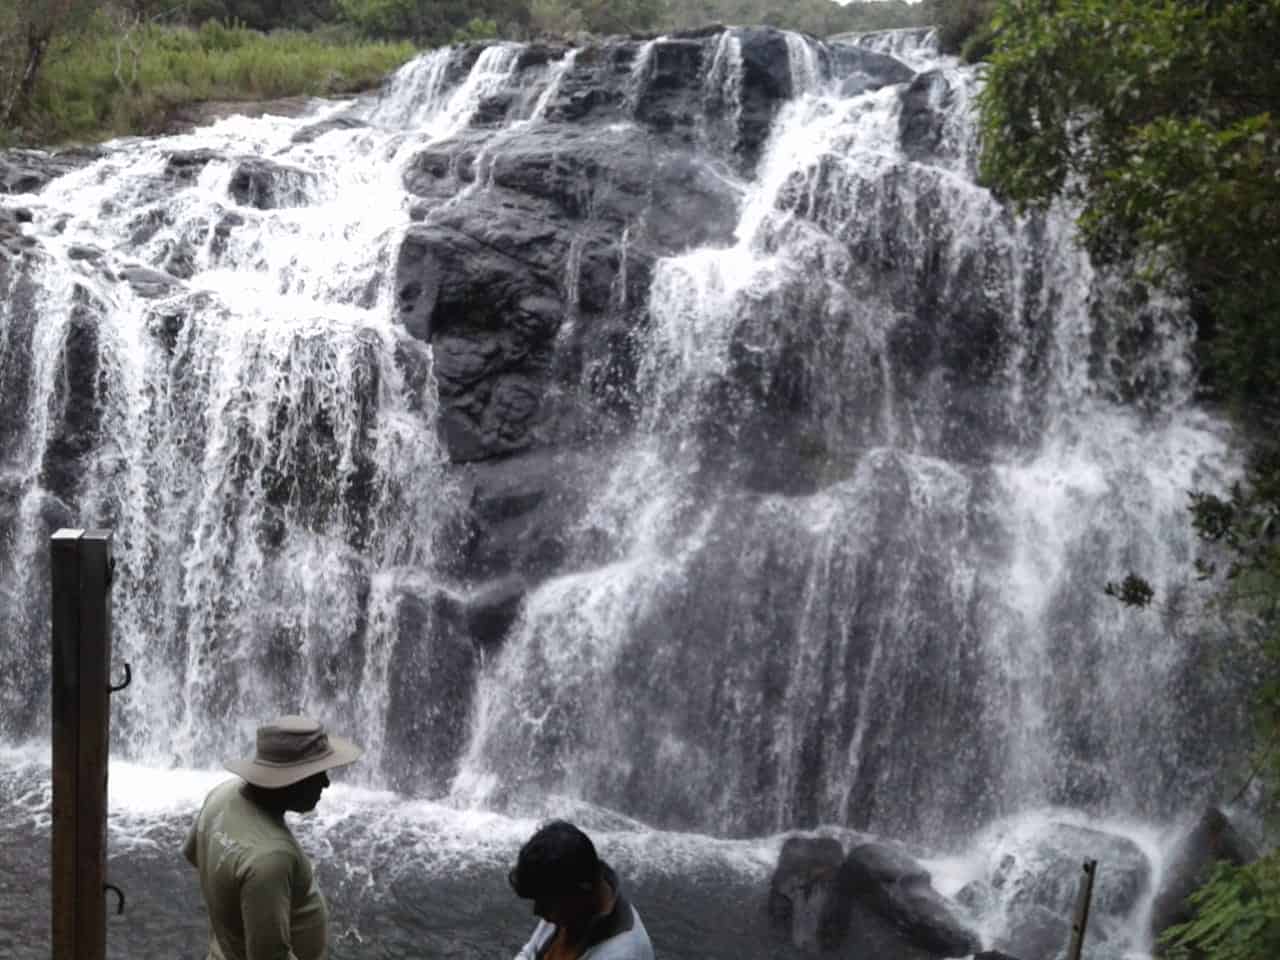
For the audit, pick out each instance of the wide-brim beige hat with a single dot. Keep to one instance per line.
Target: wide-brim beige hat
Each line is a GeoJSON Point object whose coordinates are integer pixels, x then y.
{"type": "Point", "coordinates": [293, 748]}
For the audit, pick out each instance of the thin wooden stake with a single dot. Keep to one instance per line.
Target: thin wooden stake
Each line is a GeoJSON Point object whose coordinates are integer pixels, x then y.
{"type": "Point", "coordinates": [1081, 918]}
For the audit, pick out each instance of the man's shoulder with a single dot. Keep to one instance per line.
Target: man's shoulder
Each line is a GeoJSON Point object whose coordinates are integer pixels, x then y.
{"type": "Point", "coordinates": [234, 823]}
{"type": "Point", "coordinates": [629, 943]}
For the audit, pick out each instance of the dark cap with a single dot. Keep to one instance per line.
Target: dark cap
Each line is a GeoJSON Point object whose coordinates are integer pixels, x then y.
{"type": "Point", "coordinates": [559, 859]}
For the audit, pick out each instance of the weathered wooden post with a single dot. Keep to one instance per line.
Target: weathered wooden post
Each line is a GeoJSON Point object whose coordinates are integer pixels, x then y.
{"type": "Point", "coordinates": [1081, 918]}
{"type": "Point", "coordinates": [81, 628]}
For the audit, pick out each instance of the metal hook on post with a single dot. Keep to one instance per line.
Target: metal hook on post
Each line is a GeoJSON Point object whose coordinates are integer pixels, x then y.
{"type": "Point", "coordinates": [119, 896]}
{"type": "Point", "coordinates": [128, 679]}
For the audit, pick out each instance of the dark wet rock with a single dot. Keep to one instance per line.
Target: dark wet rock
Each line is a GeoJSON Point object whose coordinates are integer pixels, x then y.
{"type": "Point", "coordinates": [948, 340]}
{"type": "Point", "coordinates": [146, 225]}
{"type": "Point", "coordinates": [166, 323]}
{"type": "Point", "coordinates": [30, 171]}
{"type": "Point", "coordinates": [922, 122]}
{"type": "Point", "coordinates": [520, 514]}
{"type": "Point", "coordinates": [185, 166]}
{"type": "Point", "coordinates": [566, 235]}
{"type": "Point", "coordinates": [874, 901]}
{"type": "Point", "coordinates": [226, 223]}
{"type": "Point", "coordinates": [1048, 873]}
{"type": "Point", "coordinates": [149, 283]}
{"type": "Point", "coordinates": [75, 410]}
{"type": "Point", "coordinates": [486, 613]}
{"type": "Point", "coordinates": [1035, 931]}
{"type": "Point", "coordinates": [766, 84]}
{"type": "Point", "coordinates": [993, 955]}
{"type": "Point", "coordinates": [180, 261]}
{"type": "Point", "coordinates": [430, 679]}
{"type": "Point", "coordinates": [13, 240]}
{"type": "Point", "coordinates": [1212, 839]}
{"type": "Point", "coordinates": [896, 887]}
{"type": "Point", "coordinates": [268, 185]}
{"type": "Point", "coordinates": [312, 132]}
{"type": "Point", "coordinates": [862, 70]}
{"type": "Point", "coordinates": [799, 890]}
{"type": "Point", "coordinates": [80, 251]}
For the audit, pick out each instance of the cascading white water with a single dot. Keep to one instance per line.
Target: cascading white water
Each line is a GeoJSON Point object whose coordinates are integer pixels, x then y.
{"type": "Point", "coordinates": [909, 638]}
{"type": "Point", "coordinates": [269, 462]}
{"type": "Point", "coordinates": [1009, 537]}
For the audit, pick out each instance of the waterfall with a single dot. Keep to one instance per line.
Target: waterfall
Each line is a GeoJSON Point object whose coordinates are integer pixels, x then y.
{"type": "Point", "coordinates": [268, 459]}
{"type": "Point", "coordinates": [835, 493]}
{"type": "Point", "coordinates": [834, 518]}
{"type": "Point", "coordinates": [916, 558]}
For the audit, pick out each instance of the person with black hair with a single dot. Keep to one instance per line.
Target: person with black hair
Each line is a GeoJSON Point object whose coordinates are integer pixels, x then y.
{"type": "Point", "coordinates": [582, 913]}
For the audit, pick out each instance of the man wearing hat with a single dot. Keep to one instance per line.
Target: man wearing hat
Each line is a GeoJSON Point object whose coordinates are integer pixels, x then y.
{"type": "Point", "coordinates": [576, 897]}
{"type": "Point", "coordinates": [258, 885]}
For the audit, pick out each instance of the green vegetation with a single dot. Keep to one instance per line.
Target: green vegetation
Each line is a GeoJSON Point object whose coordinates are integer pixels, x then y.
{"type": "Point", "coordinates": [441, 21]}
{"type": "Point", "coordinates": [1159, 119]}
{"type": "Point", "coordinates": [77, 70]}
{"type": "Point", "coordinates": [99, 86]}
{"type": "Point", "coordinates": [964, 26]}
{"type": "Point", "coordinates": [110, 75]}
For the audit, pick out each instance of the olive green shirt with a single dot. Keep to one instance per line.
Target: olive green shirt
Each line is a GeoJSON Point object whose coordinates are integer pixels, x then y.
{"type": "Point", "coordinates": [258, 885]}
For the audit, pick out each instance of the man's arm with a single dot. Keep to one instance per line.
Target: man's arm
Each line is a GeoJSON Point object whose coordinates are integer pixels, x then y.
{"type": "Point", "coordinates": [541, 934]}
{"type": "Point", "coordinates": [190, 845]}
{"type": "Point", "coordinates": [266, 906]}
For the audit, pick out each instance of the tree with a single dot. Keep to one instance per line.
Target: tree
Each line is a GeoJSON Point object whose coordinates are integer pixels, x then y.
{"type": "Point", "coordinates": [27, 32]}
{"type": "Point", "coordinates": [1160, 118]}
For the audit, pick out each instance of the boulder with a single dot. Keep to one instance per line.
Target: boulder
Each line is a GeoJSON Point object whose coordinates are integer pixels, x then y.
{"type": "Point", "coordinates": [268, 185]}
{"type": "Point", "coordinates": [896, 887]}
{"type": "Point", "coordinates": [1034, 931]}
{"type": "Point", "coordinates": [185, 166]}
{"type": "Point", "coordinates": [863, 71]}
{"type": "Point", "coordinates": [149, 284]}
{"type": "Point", "coordinates": [801, 885]}
{"type": "Point", "coordinates": [1046, 873]}
{"type": "Point", "coordinates": [876, 901]}
{"type": "Point", "coordinates": [1211, 839]}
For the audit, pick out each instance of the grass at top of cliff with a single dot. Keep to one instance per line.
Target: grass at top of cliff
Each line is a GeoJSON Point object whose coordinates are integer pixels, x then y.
{"type": "Point", "coordinates": [110, 82]}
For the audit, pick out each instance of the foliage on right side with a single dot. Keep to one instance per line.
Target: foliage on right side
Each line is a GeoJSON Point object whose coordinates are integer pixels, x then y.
{"type": "Point", "coordinates": [1160, 121]}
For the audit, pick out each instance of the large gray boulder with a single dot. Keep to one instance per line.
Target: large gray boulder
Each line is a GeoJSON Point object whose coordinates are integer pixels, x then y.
{"type": "Point", "coordinates": [800, 888]}
{"type": "Point", "coordinates": [875, 901]}
{"type": "Point", "coordinates": [895, 886]}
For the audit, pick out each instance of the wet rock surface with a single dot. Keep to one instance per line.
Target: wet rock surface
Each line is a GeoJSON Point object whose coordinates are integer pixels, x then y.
{"type": "Point", "coordinates": [30, 171]}
{"type": "Point", "coordinates": [876, 900]}
{"type": "Point", "coordinates": [535, 281]}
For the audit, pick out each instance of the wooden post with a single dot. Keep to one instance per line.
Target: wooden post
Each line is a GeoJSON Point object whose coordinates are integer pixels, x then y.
{"type": "Point", "coordinates": [1081, 918]}
{"type": "Point", "coordinates": [81, 628]}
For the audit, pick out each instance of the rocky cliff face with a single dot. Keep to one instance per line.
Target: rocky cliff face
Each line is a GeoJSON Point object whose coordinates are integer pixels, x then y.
{"type": "Point", "coordinates": [672, 424]}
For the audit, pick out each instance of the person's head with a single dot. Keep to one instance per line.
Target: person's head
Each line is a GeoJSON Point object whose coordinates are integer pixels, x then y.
{"type": "Point", "coordinates": [300, 797]}
{"type": "Point", "coordinates": [290, 768]}
{"type": "Point", "coordinates": [559, 870]}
